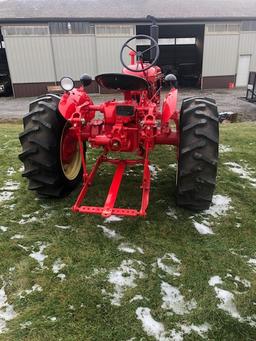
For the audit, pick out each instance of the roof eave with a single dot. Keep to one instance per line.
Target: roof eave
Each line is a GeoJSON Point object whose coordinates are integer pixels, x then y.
{"type": "Point", "coordinates": [120, 20]}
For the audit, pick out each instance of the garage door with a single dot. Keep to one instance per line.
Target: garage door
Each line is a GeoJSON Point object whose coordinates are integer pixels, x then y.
{"type": "Point", "coordinates": [243, 70]}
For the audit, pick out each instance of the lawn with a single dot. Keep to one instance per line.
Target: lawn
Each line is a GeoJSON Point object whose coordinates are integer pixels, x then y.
{"type": "Point", "coordinates": [170, 276]}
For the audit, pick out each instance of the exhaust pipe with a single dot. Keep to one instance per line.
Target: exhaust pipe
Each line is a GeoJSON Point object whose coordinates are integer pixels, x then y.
{"type": "Point", "coordinates": [154, 33]}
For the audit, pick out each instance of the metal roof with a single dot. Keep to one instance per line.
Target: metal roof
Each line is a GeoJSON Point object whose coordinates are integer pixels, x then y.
{"type": "Point", "coordinates": [126, 10]}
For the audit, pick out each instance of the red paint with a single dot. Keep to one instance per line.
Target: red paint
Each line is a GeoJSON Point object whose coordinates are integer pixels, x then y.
{"type": "Point", "coordinates": [68, 146]}
{"type": "Point", "coordinates": [138, 132]}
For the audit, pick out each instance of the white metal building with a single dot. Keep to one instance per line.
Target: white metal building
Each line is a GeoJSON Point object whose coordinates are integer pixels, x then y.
{"type": "Point", "coordinates": [41, 40]}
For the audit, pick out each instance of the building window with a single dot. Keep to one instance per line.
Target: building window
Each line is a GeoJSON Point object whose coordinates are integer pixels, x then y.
{"type": "Point", "coordinates": [223, 28]}
{"type": "Point", "coordinates": [71, 28]}
{"type": "Point", "coordinates": [248, 26]}
{"type": "Point", "coordinates": [25, 30]}
{"type": "Point", "coordinates": [210, 28]}
{"type": "Point", "coordinates": [185, 41]}
{"type": "Point", "coordinates": [168, 41]}
{"type": "Point", "coordinates": [114, 30]}
{"type": "Point", "coordinates": [233, 28]}
{"type": "Point", "coordinates": [161, 41]}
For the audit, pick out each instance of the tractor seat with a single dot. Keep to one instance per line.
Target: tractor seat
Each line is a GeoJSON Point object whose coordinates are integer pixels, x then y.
{"type": "Point", "coordinates": [120, 81]}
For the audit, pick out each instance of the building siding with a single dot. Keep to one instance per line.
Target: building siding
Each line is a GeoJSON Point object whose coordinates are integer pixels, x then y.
{"type": "Point", "coordinates": [220, 54]}
{"type": "Point", "coordinates": [41, 58]}
{"type": "Point", "coordinates": [108, 53]}
{"type": "Point", "coordinates": [47, 58]}
{"type": "Point", "coordinates": [108, 46]}
{"type": "Point", "coordinates": [247, 45]}
{"type": "Point", "coordinates": [29, 58]}
{"type": "Point", "coordinates": [74, 55]}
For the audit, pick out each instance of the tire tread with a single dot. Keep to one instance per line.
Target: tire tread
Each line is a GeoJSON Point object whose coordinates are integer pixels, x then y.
{"type": "Point", "coordinates": [198, 153]}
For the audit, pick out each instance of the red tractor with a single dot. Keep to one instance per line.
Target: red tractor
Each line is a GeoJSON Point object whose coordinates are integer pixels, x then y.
{"type": "Point", "coordinates": [57, 129]}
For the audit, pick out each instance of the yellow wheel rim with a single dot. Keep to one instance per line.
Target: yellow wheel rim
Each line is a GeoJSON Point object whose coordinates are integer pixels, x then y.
{"type": "Point", "coordinates": [70, 165]}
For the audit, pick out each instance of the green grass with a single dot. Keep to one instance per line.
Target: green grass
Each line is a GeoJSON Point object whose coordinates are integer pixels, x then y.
{"type": "Point", "coordinates": [84, 248]}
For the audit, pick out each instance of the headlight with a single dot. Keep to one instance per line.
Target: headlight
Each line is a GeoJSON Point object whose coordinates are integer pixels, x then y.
{"type": "Point", "coordinates": [67, 83]}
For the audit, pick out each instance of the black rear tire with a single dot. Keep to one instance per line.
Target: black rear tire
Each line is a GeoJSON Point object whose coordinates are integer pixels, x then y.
{"type": "Point", "coordinates": [198, 153]}
{"type": "Point", "coordinates": [40, 141]}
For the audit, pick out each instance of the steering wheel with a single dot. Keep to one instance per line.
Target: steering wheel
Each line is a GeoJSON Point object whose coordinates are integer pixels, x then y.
{"type": "Point", "coordinates": [139, 54]}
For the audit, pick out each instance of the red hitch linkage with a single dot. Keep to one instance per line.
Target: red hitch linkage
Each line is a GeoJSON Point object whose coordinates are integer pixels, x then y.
{"type": "Point", "coordinates": [108, 209]}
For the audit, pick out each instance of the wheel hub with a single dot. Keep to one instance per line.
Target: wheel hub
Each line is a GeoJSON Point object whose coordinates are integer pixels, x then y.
{"type": "Point", "coordinates": [70, 154]}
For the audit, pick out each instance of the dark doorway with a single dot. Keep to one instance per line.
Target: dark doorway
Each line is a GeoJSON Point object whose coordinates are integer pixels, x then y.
{"type": "Point", "coordinates": [181, 51]}
{"type": "Point", "coordinates": [5, 79]}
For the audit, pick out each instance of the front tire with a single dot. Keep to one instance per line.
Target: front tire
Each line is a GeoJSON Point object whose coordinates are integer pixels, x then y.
{"type": "Point", "coordinates": [41, 144]}
{"type": "Point", "coordinates": [198, 153]}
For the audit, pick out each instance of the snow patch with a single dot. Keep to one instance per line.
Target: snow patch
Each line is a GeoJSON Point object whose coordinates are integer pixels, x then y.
{"type": "Point", "coordinates": [201, 330]}
{"type": "Point", "coordinates": [136, 298]}
{"type": "Point", "coordinates": [150, 325]}
{"type": "Point", "coordinates": [156, 329]}
{"type": "Point", "coordinates": [45, 206]}
{"type": "Point", "coordinates": [111, 234]}
{"type": "Point", "coordinates": [52, 319]}
{"type": "Point", "coordinates": [63, 227]}
{"type": "Point", "coordinates": [5, 196]}
{"type": "Point", "coordinates": [97, 272]}
{"type": "Point", "coordinates": [173, 300]}
{"type": "Point", "coordinates": [227, 302]}
{"type": "Point", "coordinates": [154, 169]}
{"type": "Point", "coordinates": [10, 185]}
{"type": "Point", "coordinates": [169, 263]}
{"type": "Point", "coordinates": [17, 236]}
{"type": "Point", "coordinates": [61, 277]}
{"type": "Point", "coordinates": [238, 280]}
{"type": "Point", "coordinates": [10, 171]}
{"type": "Point", "coordinates": [3, 228]}
{"type": "Point", "coordinates": [243, 281]}
{"type": "Point", "coordinates": [35, 287]}
{"type": "Point", "coordinates": [126, 247]}
{"type": "Point", "coordinates": [252, 263]}
{"type": "Point", "coordinates": [26, 221]}
{"type": "Point", "coordinates": [203, 228]}
{"type": "Point", "coordinates": [219, 207]}
{"type": "Point", "coordinates": [10, 207]}
{"type": "Point", "coordinates": [25, 248]}
{"type": "Point", "coordinates": [7, 312]}
{"type": "Point", "coordinates": [57, 266]}
{"type": "Point", "coordinates": [6, 192]}
{"type": "Point", "coordinates": [21, 169]}
{"type": "Point", "coordinates": [214, 280]}
{"type": "Point", "coordinates": [171, 212]}
{"type": "Point", "coordinates": [124, 277]}
{"type": "Point", "coordinates": [173, 165]}
{"type": "Point", "coordinates": [39, 256]}
{"type": "Point", "coordinates": [224, 149]}
{"type": "Point", "coordinates": [244, 172]}
{"type": "Point", "coordinates": [26, 324]}
{"type": "Point", "coordinates": [112, 219]}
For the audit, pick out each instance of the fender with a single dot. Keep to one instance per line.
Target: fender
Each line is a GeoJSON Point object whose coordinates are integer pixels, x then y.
{"type": "Point", "coordinates": [72, 101]}
{"type": "Point", "coordinates": [169, 106]}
